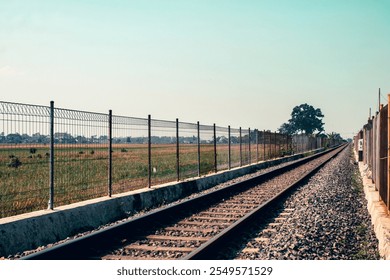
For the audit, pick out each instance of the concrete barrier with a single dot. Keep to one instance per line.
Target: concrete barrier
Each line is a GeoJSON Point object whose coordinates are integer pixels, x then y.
{"type": "Point", "coordinates": [380, 217]}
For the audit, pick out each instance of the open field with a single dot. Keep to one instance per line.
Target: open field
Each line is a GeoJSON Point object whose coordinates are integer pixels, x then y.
{"type": "Point", "coordinates": [81, 170]}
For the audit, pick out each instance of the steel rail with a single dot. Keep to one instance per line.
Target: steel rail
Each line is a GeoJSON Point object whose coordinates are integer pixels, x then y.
{"type": "Point", "coordinates": [210, 249]}
{"type": "Point", "coordinates": [85, 247]}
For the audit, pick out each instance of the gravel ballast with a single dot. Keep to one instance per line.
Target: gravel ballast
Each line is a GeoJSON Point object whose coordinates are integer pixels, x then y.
{"type": "Point", "coordinates": [325, 219]}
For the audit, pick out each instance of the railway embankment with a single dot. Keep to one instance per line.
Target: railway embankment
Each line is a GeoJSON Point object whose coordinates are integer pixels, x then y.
{"type": "Point", "coordinates": [201, 226]}
{"type": "Point", "coordinates": [31, 230]}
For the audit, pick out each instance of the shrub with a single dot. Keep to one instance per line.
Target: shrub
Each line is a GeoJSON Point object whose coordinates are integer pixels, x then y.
{"type": "Point", "coordinates": [15, 162]}
{"type": "Point", "coordinates": [33, 150]}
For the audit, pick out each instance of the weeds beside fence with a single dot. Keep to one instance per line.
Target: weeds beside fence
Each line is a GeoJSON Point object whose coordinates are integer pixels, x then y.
{"type": "Point", "coordinates": [51, 156]}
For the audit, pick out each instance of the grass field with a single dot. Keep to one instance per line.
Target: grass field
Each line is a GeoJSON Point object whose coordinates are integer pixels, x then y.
{"type": "Point", "coordinates": [81, 171]}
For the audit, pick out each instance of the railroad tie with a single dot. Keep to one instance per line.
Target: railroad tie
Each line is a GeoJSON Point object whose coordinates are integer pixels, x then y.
{"type": "Point", "coordinates": [176, 238]}
{"type": "Point", "coordinates": [158, 248]}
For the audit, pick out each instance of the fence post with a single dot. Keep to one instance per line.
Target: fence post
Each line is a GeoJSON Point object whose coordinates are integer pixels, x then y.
{"type": "Point", "coordinates": [215, 149]}
{"type": "Point", "coordinates": [109, 153]}
{"type": "Point", "coordinates": [240, 148]}
{"type": "Point", "coordinates": [257, 145]}
{"type": "Point", "coordinates": [51, 197]}
{"type": "Point", "coordinates": [263, 144]}
{"type": "Point", "coordinates": [229, 150]}
{"type": "Point", "coordinates": [249, 145]}
{"type": "Point", "coordinates": [198, 128]}
{"type": "Point", "coordinates": [149, 151]}
{"type": "Point", "coordinates": [177, 151]}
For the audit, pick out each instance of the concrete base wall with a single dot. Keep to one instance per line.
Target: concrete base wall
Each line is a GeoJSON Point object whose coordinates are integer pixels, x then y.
{"type": "Point", "coordinates": [380, 217]}
{"type": "Point", "coordinates": [29, 231]}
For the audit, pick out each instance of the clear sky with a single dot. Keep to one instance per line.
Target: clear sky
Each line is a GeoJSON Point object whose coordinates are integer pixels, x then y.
{"type": "Point", "coordinates": [239, 63]}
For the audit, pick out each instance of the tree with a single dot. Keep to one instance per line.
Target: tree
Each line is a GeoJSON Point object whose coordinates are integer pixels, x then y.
{"type": "Point", "coordinates": [336, 137]}
{"type": "Point", "coordinates": [286, 128]}
{"type": "Point", "coordinates": [304, 119]}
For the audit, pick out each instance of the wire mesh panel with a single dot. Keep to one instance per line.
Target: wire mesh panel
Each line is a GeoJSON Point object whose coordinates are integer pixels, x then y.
{"type": "Point", "coordinates": [81, 155]}
{"type": "Point", "coordinates": [206, 149]}
{"type": "Point", "coordinates": [235, 153]}
{"type": "Point", "coordinates": [310, 143]}
{"type": "Point", "coordinates": [289, 149]}
{"type": "Point", "coordinates": [130, 153]}
{"type": "Point", "coordinates": [280, 144]}
{"type": "Point", "coordinates": [222, 137]}
{"type": "Point", "coordinates": [295, 143]}
{"type": "Point", "coordinates": [313, 143]}
{"type": "Point", "coordinates": [245, 138]}
{"type": "Point", "coordinates": [301, 143]}
{"type": "Point", "coordinates": [267, 145]}
{"type": "Point", "coordinates": [274, 145]}
{"type": "Point", "coordinates": [254, 146]}
{"type": "Point", "coordinates": [24, 152]}
{"type": "Point", "coordinates": [306, 143]}
{"type": "Point", "coordinates": [319, 143]}
{"type": "Point", "coordinates": [261, 137]}
{"type": "Point", "coordinates": [164, 157]}
{"type": "Point", "coordinates": [188, 150]}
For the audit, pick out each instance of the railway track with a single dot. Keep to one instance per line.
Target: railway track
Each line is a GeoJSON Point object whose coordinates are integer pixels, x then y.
{"type": "Point", "coordinates": [197, 228]}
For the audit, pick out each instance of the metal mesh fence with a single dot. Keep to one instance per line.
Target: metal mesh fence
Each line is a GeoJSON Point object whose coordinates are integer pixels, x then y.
{"type": "Point", "coordinates": [246, 152]}
{"type": "Point", "coordinates": [267, 145]}
{"type": "Point", "coordinates": [52, 156]}
{"type": "Point", "coordinates": [222, 148]}
{"type": "Point", "coordinates": [261, 145]}
{"type": "Point", "coordinates": [164, 156]}
{"type": "Point", "coordinates": [81, 155]}
{"type": "Point", "coordinates": [130, 153]}
{"type": "Point", "coordinates": [24, 147]}
{"type": "Point", "coordinates": [280, 144]}
{"type": "Point", "coordinates": [188, 149]}
{"type": "Point", "coordinates": [254, 146]}
{"type": "Point", "coordinates": [206, 149]}
{"type": "Point", "coordinates": [235, 147]}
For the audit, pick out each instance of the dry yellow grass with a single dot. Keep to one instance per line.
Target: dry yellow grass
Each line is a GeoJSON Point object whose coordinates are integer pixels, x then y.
{"type": "Point", "coordinates": [81, 171]}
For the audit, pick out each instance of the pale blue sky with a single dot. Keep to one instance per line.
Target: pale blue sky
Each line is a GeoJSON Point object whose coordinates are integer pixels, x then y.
{"type": "Point", "coordinates": [239, 63]}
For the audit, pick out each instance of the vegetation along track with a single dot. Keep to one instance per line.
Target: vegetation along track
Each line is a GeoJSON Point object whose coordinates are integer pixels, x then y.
{"type": "Point", "coordinates": [193, 229]}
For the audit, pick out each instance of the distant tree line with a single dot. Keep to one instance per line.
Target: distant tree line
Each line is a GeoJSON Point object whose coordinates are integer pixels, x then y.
{"type": "Point", "coordinates": [66, 138]}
